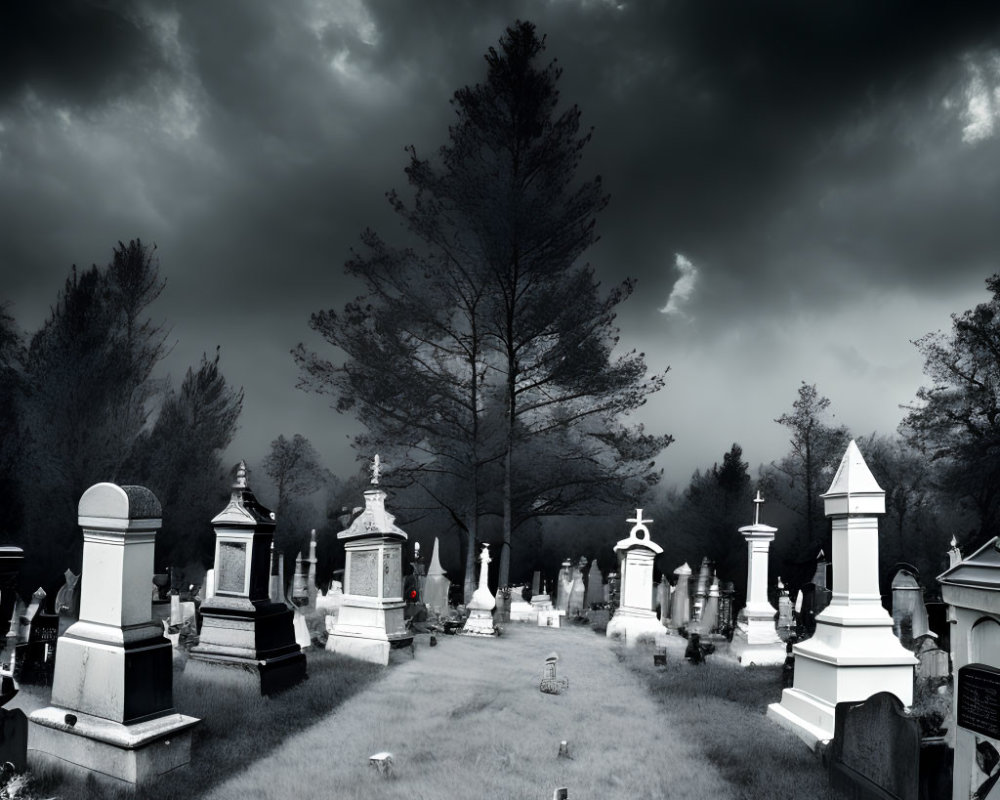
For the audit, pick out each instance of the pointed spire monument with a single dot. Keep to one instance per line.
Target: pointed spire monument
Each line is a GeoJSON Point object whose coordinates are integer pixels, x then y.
{"type": "Point", "coordinates": [853, 653]}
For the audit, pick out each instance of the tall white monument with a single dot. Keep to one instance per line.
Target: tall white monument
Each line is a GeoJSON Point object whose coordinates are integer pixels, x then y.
{"type": "Point", "coordinates": [756, 640]}
{"type": "Point", "coordinates": [635, 618]}
{"type": "Point", "coordinates": [853, 653]}
{"type": "Point", "coordinates": [112, 714]}
{"type": "Point", "coordinates": [480, 619]}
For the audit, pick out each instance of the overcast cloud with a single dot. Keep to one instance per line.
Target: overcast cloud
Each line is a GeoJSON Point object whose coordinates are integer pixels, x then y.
{"type": "Point", "coordinates": [800, 188]}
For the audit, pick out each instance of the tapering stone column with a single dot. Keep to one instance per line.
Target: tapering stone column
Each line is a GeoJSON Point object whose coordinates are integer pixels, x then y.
{"type": "Point", "coordinates": [853, 653]}
{"type": "Point", "coordinates": [112, 714]}
{"type": "Point", "coordinates": [311, 575]}
{"type": "Point", "coordinates": [756, 641]}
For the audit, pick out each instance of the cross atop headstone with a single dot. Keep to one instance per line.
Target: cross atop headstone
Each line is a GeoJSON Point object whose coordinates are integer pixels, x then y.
{"type": "Point", "coordinates": [758, 501]}
{"type": "Point", "coordinates": [640, 525]}
{"type": "Point", "coordinates": [376, 470]}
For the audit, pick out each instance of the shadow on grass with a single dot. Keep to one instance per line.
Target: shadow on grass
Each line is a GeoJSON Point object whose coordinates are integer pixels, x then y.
{"type": "Point", "coordinates": [236, 728]}
{"type": "Point", "coordinates": [721, 707]}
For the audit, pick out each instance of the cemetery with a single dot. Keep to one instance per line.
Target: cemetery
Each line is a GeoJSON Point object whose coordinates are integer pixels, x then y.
{"type": "Point", "coordinates": [132, 696]}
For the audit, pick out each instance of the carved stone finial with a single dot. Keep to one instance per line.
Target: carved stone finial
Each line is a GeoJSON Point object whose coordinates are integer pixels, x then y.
{"type": "Point", "coordinates": [241, 476]}
{"type": "Point", "coordinates": [376, 468]}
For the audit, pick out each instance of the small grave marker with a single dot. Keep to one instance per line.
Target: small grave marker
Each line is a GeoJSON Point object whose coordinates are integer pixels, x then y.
{"type": "Point", "coordinates": [550, 683]}
{"type": "Point", "coordinates": [381, 763]}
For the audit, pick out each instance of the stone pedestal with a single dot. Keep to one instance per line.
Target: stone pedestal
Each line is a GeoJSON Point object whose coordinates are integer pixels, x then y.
{"type": "Point", "coordinates": [247, 639]}
{"type": "Point", "coordinates": [480, 619]}
{"type": "Point", "coordinates": [111, 714]}
{"type": "Point", "coordinates": [853, 653]}
{"type": "Point", "coordinates": [755, 640]}
{"type": "Point", "coordinates": [371, 622]}
{"type": "Point", "coordinates": [635, 618]}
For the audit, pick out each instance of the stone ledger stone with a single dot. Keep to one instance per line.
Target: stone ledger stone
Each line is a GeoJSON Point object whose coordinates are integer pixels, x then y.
{"type": "Point", "coordinates": [111, 714]}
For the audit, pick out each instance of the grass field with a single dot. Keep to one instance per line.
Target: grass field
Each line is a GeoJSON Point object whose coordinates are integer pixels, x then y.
{"type": "Point", "coordinates": [466, 719]}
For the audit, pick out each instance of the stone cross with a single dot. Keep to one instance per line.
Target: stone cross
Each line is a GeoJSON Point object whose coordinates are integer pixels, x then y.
{"type": "Point", "coordinates": [640, 525]}
{"type": "Point", "coordinates": [757, 502]}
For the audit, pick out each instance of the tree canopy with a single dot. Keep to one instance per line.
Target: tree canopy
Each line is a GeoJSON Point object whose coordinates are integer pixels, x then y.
{"type": "Point", "coordinates": [482, 360]}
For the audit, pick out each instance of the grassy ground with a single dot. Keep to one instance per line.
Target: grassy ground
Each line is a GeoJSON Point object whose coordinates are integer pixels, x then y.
{"type": "Point", "coordinates": [467, 719]}
{"type": "Point", "coordinates": [721, 707]}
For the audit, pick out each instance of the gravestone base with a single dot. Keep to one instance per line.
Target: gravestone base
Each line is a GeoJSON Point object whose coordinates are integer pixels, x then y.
{"type": "Point", "coordinates": [756, 642]}
{"type": "Point", "coordinates": [265, 675]}
{"type": "Point", "coordinates": [522, 612]}
{"type": "Point", "coordinates": [479, 623]}
{"type": "Point", "coordinates": [633, 626]}
{"type": "Point", "coordinates": [548, 619]}
{"type": "Point", "coordinates": [852, 654]}
{"type": "Point", "coordinates": [368, 632]}
{"type": "Point", "coordinates": [114, 754]}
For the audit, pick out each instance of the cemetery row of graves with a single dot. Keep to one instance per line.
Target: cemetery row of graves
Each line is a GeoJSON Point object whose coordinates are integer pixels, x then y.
{"type": "Point", "coordinates": [903, 704]}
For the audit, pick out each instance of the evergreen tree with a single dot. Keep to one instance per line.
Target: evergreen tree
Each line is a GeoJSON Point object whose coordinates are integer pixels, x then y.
{"type": "Point", "coordinates": [956, 421]}
{"type": "Point", "coordinates": [484, 363]}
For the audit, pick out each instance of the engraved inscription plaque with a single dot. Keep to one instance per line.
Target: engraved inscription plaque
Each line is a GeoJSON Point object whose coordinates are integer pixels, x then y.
{"type": "Point", "coordinates": [979, 699]}
{"type": "Point", "coordinates": [392, 580]}
{"type": "Point", "coordinates": [363, 578]}
{"type": "Point", "coordinates": [232, 567]}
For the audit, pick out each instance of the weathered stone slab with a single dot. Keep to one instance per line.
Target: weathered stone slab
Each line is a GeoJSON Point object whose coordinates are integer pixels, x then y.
{"type": "Point", "coordinates": [876, 749]}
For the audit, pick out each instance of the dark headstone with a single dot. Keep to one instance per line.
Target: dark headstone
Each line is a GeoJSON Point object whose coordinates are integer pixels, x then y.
{"type": "Point", "coordinates": [978, 700]}
{"type": "Point", "coordinates": [875, 750]}
{"type": "Point", "coordinates": [14, 738]}
{"type": "Point", "coordinates": [10, 567]}
{"type": "Point", "coordinates": [937, 621]}
{"type": "Point", "coordinates": [35, 658]}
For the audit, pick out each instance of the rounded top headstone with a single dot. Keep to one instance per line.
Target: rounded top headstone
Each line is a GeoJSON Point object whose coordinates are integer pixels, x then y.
{"type": "Point", "coordinates": [111, 501]}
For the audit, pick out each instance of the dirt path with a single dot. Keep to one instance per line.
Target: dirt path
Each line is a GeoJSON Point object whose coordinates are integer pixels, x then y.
{"type": "Point", "coordinates": [466, 719]}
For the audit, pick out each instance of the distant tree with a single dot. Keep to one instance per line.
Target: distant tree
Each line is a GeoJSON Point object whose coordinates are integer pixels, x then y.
{"type": "Point", "coordinates": [911, 529]}
{"type": "Point", "coordinates": [806, 472]}
{"type": "Point", "coordinates": [295, 469]}
{"type": "Point", "coordinates": [87, 394]}
{"type": "Point", "coordinates": [486, 358]}
{"type": "Point", "coordinates": [12, 355]}
{"type": "Point", "coordinates": [180, 460]}
{"type": "Point", "coordinates": [956, 420]}
{"type": "Point", "coordinates": [707, 517]}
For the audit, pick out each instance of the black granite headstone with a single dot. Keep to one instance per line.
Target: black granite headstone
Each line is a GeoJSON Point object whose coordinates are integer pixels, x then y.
{"type": "Point", "coordinates": [14, 738]}
{"type": "Point", "coordinates": [978, 699]}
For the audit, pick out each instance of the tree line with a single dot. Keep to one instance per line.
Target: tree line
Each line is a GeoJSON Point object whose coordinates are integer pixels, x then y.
{"type": "Point", "coordinates": [79, 404]}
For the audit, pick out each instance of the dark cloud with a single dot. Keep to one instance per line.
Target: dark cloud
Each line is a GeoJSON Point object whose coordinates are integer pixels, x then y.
{"type": "Point", "coordinates": [815, 162]}
{"type": "Point", "coordinates": [78, 51]}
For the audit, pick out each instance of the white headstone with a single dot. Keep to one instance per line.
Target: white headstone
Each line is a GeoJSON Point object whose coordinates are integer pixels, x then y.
{"type": "Point", "coordinates": [635, 619]}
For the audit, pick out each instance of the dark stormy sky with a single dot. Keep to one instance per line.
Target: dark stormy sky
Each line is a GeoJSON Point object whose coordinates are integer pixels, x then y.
{"type": "Point", "coordinates": [800, 188]}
